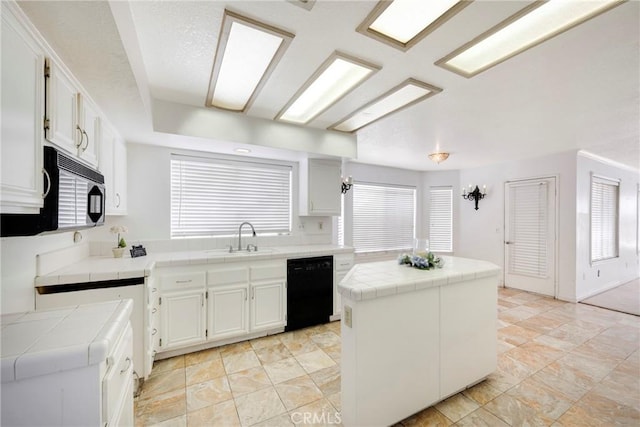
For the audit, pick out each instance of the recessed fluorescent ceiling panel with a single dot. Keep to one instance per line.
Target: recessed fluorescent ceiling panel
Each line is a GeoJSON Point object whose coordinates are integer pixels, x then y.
{"type": "Point", "coordinates": [529, 27]}
{"type": "Point", "coordinates": [404, 95]}
{"type": "Point", "coordinates": [403, 23]}
{"type": "Point", "coordinates": [247, 53]}
{"type": "Point", "coordinates": [336, 77]}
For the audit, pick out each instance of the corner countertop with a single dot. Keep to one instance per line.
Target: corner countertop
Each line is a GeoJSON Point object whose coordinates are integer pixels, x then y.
{"type": "Point", "coordinates": [385, 278]}
{"type": "Point", "coordinates": [48, 341]}
{"type": "Point", "coordinates": [101, 268]}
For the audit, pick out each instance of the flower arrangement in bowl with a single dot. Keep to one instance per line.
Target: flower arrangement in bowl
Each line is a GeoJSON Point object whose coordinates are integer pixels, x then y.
{"type": "Point", "coordinates": [422, 260]}
{"type": "Point", "coordinates": [121, 244]}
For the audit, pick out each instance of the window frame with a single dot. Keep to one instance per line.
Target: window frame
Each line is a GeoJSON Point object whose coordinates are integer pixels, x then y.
{"type": "Point", "coordinates": [414, 189]}
{"type": "Point", "coordinates": [603, 180]}
{"type": "Point", "coordinates": [239, 162]}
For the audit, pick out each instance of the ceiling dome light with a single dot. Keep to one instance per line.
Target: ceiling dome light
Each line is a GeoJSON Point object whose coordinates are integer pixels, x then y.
{"type": "Point", "coordinates": [439, 157]}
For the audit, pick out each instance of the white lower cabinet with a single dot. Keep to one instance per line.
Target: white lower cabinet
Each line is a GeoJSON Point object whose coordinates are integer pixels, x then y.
{"type": "Point", "coordinates": [183, 319]}
{"type": "Point", "coordinates": [267, 305]}
{"type": "Point", "coordinates": [228, 314]}
{"type": "Point", "coordinates": [237, 300]}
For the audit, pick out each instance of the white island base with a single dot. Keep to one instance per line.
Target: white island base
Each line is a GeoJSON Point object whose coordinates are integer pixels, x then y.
{"type": "Point", "coordinates": [411, 338]}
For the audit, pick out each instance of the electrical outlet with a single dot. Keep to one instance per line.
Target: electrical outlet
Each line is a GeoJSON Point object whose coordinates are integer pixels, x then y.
{"type": "Point", "coordinates": [348, 316]}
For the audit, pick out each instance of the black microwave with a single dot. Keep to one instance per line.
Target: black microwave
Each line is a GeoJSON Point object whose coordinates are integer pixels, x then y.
{"type": "Point", "coordinates": [74, 199]}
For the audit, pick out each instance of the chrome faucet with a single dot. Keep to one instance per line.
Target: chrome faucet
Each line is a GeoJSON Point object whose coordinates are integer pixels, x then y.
{"type": "Point", "coordinates": [240, 233]}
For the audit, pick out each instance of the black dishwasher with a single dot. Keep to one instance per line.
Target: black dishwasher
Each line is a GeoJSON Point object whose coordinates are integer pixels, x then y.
{"type": "Point", "coordinates": [309, 291]}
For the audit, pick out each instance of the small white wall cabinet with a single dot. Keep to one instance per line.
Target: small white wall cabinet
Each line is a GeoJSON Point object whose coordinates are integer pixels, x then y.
{"type": "Point", "coordinates": [89, 122]}
{"type": "Point", "coordinates": [21, 179]}
{"type": "Point", "coordinates": [113, 165]}
{"type": "Point", "coordinates": [320, 184]}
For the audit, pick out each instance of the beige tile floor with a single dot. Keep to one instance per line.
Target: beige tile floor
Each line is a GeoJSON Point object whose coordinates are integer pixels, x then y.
{"type": "Point", "coordinates": [559, 364]}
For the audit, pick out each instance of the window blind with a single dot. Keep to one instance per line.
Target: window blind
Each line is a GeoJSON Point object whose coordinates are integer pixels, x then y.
{"type": "Point", "coordinates": [528, 229]}
{"type": "Point", "coordinates": [383, 217]}
{"type": "Point", "coordinates": [212, 197]}
{"type": "Point", "coordinates": [441, 219]}
{"type": "Point", "coordinates": [604, 218]}
{"type": "Point", "coordinates": [341, 222]}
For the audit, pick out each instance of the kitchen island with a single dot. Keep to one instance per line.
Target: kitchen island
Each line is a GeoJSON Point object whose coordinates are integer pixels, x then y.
{"type": "Point", "coordinates": [411, 338]}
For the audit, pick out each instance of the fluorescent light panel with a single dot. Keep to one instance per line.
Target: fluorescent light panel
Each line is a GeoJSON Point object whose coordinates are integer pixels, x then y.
{"type": "Point", "coordinates": [247, 53]}
{"type": "Point", "coordinates": [336, 77]}
{"type": "Point", "coordinates": [404, 95]}
{"type": "Point", "coordinates": [403, 23]}
{"type": "Point", "coordinates": [529, 27]}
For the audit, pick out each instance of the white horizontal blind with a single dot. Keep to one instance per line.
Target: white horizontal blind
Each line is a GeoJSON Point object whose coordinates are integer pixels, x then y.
{"type": "Point", "coordinates": [212, 197]}
{"type": "Point", "coordinates": [441, 219]}
{"type": "Point", "coordinates": [528, 229]}
{"type": "Point", "coordinates": [604, 218]}
{"type": "Point", "coordinates": [383, 217]}
{"type": "Point", "coordinates": [341, 222]}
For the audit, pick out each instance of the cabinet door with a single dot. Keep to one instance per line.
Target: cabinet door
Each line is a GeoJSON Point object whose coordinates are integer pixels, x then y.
{"type": "Point", "coordinates": [183, 319]}
{"type": "Point", "coordinates": [62, 106]}
{"type": "Point", "coordinates": [267, 305]}
{"type": "Point", "coordinates": [105, 165]}
{"type": "Point", "coordinates": [324, 187]}
{"type": "Point", "coordinates": [120, 176]}
{"type": "Point", "coordinates": [90, 139]}
{"type": "Point", "coordinates": [228, 313]}
{"type": "Point", "coordinates": [337, 298]}
{"type": "Point", "coordinates": [21, 182]}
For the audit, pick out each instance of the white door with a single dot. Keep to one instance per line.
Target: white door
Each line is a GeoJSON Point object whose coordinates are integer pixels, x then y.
{"type": "Point", "coordinates": [228, 311]}
{"type": "Point", "coordinates": [530, 235]}
{"type": "Point", "coordinates": [267, 305]}
{"type": "Point", "coordinates": [183, 319]}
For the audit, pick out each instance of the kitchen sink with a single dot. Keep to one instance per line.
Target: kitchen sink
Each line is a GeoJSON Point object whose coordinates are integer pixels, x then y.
{"type": "Point", "coordinates": [225, 252]}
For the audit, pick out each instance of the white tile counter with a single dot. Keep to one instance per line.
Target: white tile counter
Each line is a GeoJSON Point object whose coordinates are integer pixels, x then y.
{"type": "Point", "coordinates": [93, 269]}
{"type": "Point", "coordinates": [43, 342]}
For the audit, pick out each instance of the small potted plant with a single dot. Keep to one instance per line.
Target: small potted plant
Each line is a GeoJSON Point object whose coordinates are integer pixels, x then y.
{"type": "Point", "coordinates": [121, 244]}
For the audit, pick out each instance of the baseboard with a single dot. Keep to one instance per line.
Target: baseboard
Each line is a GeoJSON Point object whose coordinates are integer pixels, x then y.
{"type": "Point", "coordinates": [604, 288]}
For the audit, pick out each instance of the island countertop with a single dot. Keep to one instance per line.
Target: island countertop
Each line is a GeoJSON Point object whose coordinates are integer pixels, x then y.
{"type": "Point", "coordinates": [384, 278]}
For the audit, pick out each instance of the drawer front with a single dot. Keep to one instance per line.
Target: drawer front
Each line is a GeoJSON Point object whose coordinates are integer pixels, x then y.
{"type": "Point", "coordinates": [227, 276]}
{"type": "Point", "coordinates": [343, 262]}
{"type": "Point", "coordinates": [268, 271]}
{"type": "Point", "coordinates": [178, 281]}
{"type": "Point", "coordinates": [118, 376]}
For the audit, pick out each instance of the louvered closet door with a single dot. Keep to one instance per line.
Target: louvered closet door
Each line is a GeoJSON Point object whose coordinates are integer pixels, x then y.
{"type": "Point", "coordinates": [530, 230]}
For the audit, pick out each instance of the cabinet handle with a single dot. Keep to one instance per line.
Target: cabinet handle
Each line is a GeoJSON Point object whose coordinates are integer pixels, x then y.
{"type": "Point", "coordinates": [154, 289]}
{"type": "Point", "coordinates": [118, 196]}
{"type": "Point", "coordinates": [253, 293]}
{"type": "Point", "coordinates": [82, 133]}
{"type": "Point", "coordinates": [87, 145]}
{"type": "Point", "coordinates": [154, 310]}
{"type": "Point", "coordinates": [128, 360]}
{"type": "Point", "coordinates": [155, 331]}
{"type": "Point", "coordinates": [46, 174]}
{"type": "Point", "coordinates": [183, 281]}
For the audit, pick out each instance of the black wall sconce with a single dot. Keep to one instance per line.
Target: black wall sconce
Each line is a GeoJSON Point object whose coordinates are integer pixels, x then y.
{"type": "Point", "coordinates": [474, 195]}
{"type": "Point", "coordinates": [346, 184]}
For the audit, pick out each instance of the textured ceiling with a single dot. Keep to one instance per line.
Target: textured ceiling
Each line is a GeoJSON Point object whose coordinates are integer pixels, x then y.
{"type": "Point", "coordinates": [579, 90]}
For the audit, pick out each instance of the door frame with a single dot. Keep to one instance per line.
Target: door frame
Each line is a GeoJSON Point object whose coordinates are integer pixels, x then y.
{"type": "Point", "coordinates": [556, 180]}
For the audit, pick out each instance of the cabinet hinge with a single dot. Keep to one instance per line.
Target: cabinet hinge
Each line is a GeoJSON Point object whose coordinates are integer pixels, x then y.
{"type": "Point", "coordinates": [206, 294]}
{"type": "Point", "coordinates": [160, 345]}
{"type": "Point", "coordinates": [159, 300]}
{"type": "Point", "coordinates": [45, 124]}
{"type": "Point", "coordinates": [47, 70]}
{"type": "Point", "coordinates": [206, 333]}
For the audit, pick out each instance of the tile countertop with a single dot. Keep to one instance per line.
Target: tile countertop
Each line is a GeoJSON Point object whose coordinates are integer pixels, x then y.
{"type": "Point", "coordinates": [384, 278]}
{"type": "Point", "coordinates": [94, 269]}
{"type": "Point", "coordinates": [47, 341]}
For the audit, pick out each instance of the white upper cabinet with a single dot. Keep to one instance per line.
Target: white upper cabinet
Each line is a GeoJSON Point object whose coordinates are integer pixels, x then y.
{"type": "Point", "coordinates": [320, 182]}
{"type": "Point", "coordinates": [90, 135]}
{"type": "Point", "coordinates": [61, 126]}
{"type": "Point", "coordinates": [113, 165]}
{"type": "Point", "coordinates": [21, 177]}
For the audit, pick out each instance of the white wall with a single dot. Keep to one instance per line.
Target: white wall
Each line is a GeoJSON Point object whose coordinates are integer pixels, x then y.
{"type": "Point", "coordinates": [592, 279]}
{"type": "Point", "coordinates": [481, 233]}
{"type": "Point", "coordinates": [18, 266]}
{"type": "Point", "coordinates": [149, 213]}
